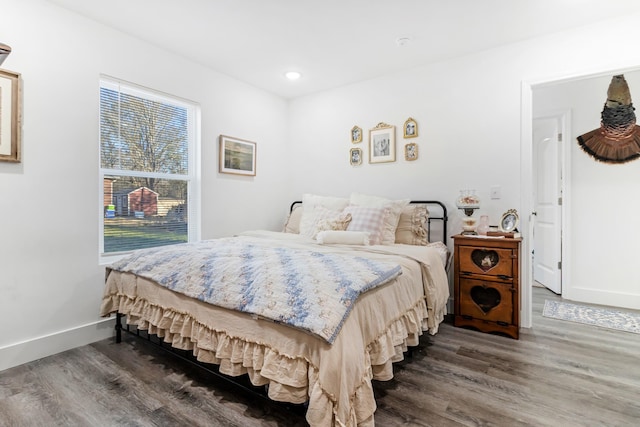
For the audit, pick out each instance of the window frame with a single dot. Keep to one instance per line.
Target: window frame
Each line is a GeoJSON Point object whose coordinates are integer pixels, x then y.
{"type": "Point", "coordinates": [192, 177]}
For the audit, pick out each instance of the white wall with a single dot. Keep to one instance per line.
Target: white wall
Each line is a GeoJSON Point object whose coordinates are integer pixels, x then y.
{"type": "Point", "coordinates": [604, 205]}
{"type": "Point", "coordinates": [469, 111]}
{"type": "Point", "coordinates": [50, 279]}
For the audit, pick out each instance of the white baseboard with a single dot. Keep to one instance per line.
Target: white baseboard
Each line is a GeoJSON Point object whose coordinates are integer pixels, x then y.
{"type": "Point", "coordinates": [47, 345]}
{"type": "Point", "coordinates": [603, 297]}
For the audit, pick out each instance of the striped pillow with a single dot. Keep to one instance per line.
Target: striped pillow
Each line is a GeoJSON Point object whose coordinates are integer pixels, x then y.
{"type": "Point", "coordinates": [367, 219]}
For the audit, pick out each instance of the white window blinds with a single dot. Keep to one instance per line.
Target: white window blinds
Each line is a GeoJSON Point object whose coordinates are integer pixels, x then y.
{"type": "Point", "coordinates": [148, 150]}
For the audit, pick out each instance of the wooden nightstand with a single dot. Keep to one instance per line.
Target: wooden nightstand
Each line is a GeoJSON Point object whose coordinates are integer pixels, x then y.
{"type": "Point", "coordinates": [487, 284]}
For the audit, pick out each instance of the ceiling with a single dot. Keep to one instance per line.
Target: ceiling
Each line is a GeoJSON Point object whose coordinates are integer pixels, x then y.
{"type": "Point", "coordinates": [336, 42]}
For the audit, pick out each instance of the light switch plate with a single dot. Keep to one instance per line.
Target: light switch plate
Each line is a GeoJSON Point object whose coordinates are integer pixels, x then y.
{"type": "Point", "coordinates": [496, 192]}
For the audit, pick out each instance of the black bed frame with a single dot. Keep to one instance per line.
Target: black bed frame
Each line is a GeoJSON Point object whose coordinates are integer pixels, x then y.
{"type": "Point", "coordinates": [242, 383]}
{"type": "Point", "coordinates": [439, 215]}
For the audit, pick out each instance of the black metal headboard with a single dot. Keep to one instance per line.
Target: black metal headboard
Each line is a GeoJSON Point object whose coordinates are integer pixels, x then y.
{"type": "Point", "coordinates": [437, 214]}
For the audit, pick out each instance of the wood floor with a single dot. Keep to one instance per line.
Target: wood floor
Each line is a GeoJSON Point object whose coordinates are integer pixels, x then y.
{"type": "Point", "coordinates": [558, 374]}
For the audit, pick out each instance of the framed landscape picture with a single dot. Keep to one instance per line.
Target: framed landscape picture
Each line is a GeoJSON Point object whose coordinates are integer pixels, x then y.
{"type": "Point", "coordinates": [237, 156]}
{"type": "Point", "coordinates": [382, 143]}
{"type": "Point", "coordinates": [10, 116]}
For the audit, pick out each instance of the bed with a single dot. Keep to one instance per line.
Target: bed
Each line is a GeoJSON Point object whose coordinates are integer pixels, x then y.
{"type": "Point", "coordinates": [328, 366]}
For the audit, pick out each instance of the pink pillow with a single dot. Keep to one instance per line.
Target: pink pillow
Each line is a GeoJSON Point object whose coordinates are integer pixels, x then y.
{"type": "Point", "coordinates": [367, 219]}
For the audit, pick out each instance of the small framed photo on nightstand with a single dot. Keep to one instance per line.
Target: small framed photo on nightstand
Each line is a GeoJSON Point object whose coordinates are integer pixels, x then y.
{"type": "Point", "coordinates": [509, 221]}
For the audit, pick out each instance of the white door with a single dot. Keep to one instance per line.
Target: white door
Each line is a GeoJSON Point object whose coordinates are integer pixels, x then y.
{"type": "Point", "coordinates": [547, 186]}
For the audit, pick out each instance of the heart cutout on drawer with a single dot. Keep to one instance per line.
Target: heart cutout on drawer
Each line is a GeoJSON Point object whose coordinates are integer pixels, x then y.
{"type": "Point", "coordinates": [484, 259]}
{"type": "Point", "coordinates": [485, 298]}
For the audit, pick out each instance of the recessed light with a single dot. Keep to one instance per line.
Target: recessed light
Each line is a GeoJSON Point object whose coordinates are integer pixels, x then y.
{"type": "Point", "coordinates": [292, 75]}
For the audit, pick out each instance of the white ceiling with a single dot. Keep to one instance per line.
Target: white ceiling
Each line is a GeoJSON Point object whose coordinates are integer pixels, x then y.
{"type": "Point", "coordinates": [336, 42]}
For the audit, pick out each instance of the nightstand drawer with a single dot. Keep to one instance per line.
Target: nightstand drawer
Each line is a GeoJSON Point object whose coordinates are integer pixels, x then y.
{"type": "Point", "coordinates": [486, 300]}
{"type": "Point", "coordinates": [486, 260]}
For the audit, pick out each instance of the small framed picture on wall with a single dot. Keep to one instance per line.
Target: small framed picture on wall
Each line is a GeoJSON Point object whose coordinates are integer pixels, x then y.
{"type": "Point", "coordinates": [382, 143]}
{"type": "Point", "coordinates": [237, 156]}
{"type": "Point", "coordinates": [10, 116]}
{"type": "Point", "coordinates": [411, 151]}
{"type": "Point", "coordinates": [410, 128]}
{"type": "Point", "coordinates": [355, 156]}
{"type": "Point", "coordinates": [356, 135]}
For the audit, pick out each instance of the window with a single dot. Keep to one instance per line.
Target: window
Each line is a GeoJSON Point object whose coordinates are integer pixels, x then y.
{"type": "Point", "coordinates": [150, 181]}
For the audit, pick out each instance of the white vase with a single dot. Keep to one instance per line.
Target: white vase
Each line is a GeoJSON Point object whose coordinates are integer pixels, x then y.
{"type": "Point", "coordinates": [483, 225]}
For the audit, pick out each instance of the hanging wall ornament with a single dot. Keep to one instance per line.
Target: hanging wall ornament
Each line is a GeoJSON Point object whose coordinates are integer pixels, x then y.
{"type": "Point", "coordinates": [617, 140]}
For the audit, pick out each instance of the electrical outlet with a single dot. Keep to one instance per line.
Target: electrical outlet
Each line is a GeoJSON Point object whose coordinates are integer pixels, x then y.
{"type": "Point", "coordinates": [496, 191]}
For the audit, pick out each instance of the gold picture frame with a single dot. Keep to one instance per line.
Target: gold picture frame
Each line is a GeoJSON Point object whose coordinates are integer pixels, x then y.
{"type": "Point", "coordinates": [410, 128]}
{"type": "Point", "coordinates": [382, 143]}
{"type": "Point", "coordinates": [356, 135]}
{"type": "Point", "coordinates": [355, 156]}
{"type": "Point", "coordinates": [237, 156]}
{"type": "Point", "coordinates": [411, 152]}
{"type": "Point", "coordinates": [10, 116]}
{"type": "Point", "coordinates": [509, 221]}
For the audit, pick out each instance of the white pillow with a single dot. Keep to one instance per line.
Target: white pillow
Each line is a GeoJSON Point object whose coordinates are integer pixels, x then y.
{"type": "Point", "coordinates": [343, 237]}
{"type": "Point", "coordinates": [391, 221]}
{"type": "Point", "coordinates": [370, 220]}
{"type": "Point", "coordinates": [310, 201]}
{"type": "Point", "coordinates": [325, 219]}
{"type": "Point", "coordinates": [293, 220]}
{"type": "Point", "coordinates": [330, 220]}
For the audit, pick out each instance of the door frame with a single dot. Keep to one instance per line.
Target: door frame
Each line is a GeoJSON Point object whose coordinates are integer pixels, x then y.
{"type": "Point", "coordinates": [526, 189]}
{"type": "Point", "coordinates": [526, 198]}
{"type": "Point", "coordinates": [564, 162]}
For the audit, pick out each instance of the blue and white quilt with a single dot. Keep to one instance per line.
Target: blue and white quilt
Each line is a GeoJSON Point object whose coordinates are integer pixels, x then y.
{"type": "Point", "coordinates": [307, 289]}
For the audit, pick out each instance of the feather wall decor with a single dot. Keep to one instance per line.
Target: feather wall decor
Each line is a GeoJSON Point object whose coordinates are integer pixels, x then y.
{"type": "Point", "coordinates": [617, 140]}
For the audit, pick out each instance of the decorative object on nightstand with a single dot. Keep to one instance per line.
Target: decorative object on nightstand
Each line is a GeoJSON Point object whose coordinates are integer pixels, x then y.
{"type": "Point", "coordinates": [508, 226]}
{"type": "Point", "coordinates": [487, 284]}
{"type": "Point", "coordinates": [509, 221]}
{"type": "Point", "coordinates": [468, 202]}
{"type": "Point", "coordinates": [483, 225]}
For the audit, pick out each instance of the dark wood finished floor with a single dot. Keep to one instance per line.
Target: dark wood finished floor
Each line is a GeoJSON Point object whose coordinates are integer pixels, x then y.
{"type": "Point", "coordinates": [558, 374]}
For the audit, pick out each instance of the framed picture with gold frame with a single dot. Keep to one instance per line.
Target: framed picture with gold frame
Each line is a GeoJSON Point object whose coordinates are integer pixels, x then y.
{"type": "Point", "coordinates": [509, 221]}
{"type": "Point", "coordinates": [355, 156]}
{"type": "Point", "coordinates": [411, 151]}
{"type": "Point", "coordinates": [410, 128]}
{"type": "Point", "coordinates": [10, 116]}
{"type": "Point", "coordinates": [237, 156]}
{"type": "Point", "coordinates": [356, 135]}
{"type": "Point", "coordinates": [382, 143]}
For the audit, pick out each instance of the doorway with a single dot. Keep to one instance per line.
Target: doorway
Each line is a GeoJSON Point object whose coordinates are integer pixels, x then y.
{"type": "Point", "coordinates": [547, 137]}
